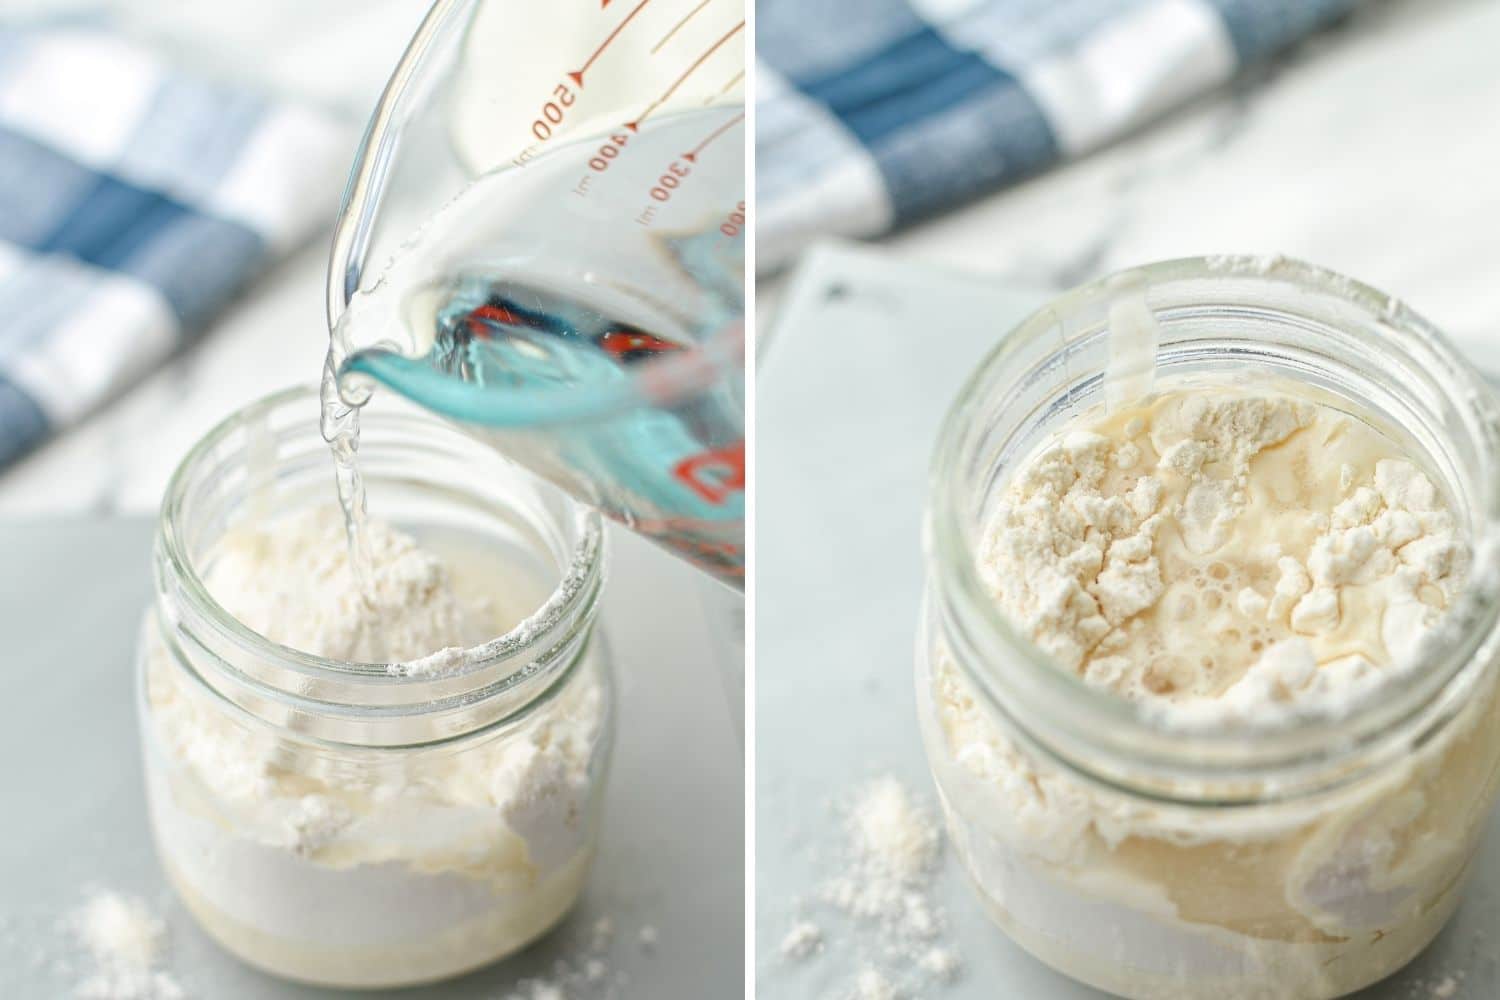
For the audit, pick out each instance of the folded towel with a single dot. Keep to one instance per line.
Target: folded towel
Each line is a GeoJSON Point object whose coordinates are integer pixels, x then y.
{"type": "Point", "coordinates": [875, 113]}
{"type": "Point", "coordinates": [135, 201]}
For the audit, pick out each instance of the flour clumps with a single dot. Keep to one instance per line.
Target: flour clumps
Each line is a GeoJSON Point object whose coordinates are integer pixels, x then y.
{"type": "Point", "coordinates": [1221, 555]}
{"type": "Point", "coordinates": [943, 964]}
{"type": "Point", "coordinates": [290, 579]}
{"type": "Point", "coordinates": [804, 940]}
{"type": "Point", "coordinates": [872, 984]}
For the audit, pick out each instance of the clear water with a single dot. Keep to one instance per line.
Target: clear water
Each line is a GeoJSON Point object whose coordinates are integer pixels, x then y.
{"type": "Point", "coordinates": [340, 427]}
{"type": "Point", "coordinates": [545, 310]}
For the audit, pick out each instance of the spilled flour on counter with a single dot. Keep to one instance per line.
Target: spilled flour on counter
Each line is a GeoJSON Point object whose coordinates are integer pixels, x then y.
{"type": "Point", "coordinates": [943, 964]}
{"type": "Point", "coordinates": [125, 942]}
{"type": "Point", "coordinates": [883, 897]}
{"type": "Point", "coordinates": [871, 984]}
{"type": "Point", "coordinates": [589, 974]}
{"type": "Point", "coordinates": [1447, 987]}
{"type": "Point", "coordinates": [804, 940]}
{"type": "Point", "coordinates": [893, 849]}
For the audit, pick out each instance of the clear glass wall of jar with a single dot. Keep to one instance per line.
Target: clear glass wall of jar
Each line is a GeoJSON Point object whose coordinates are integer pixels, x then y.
{"type": "Point", "coordinates": [336, 823]}
{"type": "Point", "coordinates": [1301, 862]}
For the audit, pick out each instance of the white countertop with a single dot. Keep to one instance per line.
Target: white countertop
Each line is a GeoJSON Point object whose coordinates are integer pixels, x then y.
{"type": "Point", "coordinates": [1373, 151]}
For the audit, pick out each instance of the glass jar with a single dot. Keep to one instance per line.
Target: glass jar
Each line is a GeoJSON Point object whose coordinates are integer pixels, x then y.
{"type": "Point", "coordinates": [1299, 860]}
{"type": "Point", "coordinates": [344, 823]}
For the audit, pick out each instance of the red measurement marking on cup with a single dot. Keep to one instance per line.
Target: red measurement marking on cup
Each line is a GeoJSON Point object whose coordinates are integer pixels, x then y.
{"type": "Point", "coordinates": [635, 125]}
{"type": "Point", "coordinates": [669, 181]}
{"type": "Point", "coordinates": [733, 82]}
{"type": "Point", "coordinates": [678, 27]}
{"type": "Point", "coordinates": [564, 96]}
{"type": "Point", "coordinates": [610, 151]}
{"type": "Point", "coordinates": [601, 160]}
{"type": "Point", "coordinates": [692, 157]}
{"type": "Point", "coordinates": [735, 223]}
{"type": "Point", "coordinates": [554, 111]}
{"type": "Point", "coordinates": [714, 474]}
{"type": "Point", "coordinates": [577, 74]}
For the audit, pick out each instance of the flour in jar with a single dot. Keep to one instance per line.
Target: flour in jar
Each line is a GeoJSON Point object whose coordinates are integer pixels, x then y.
{"type": "Point", "coordinates": [1221, 554]}
{"type": "Point", "coordinates": [1223, 559]}
{"type": "Point", "coordinates": [439, 860]}
{"type": "Point", "coordinates": [291, 580]}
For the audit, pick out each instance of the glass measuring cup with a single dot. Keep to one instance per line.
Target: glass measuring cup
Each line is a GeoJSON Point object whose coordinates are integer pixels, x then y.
{"type": "Point", "coordinates": [543, 240]}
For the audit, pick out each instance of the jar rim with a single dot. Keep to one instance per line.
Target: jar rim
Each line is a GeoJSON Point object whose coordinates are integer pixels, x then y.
{"type": "Point", "coordinates": [579, 586]}
{"type": "Point", "coordinates": [1101, 718]}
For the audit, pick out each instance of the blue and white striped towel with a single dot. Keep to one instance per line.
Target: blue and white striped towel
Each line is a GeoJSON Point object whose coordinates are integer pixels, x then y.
{"type": "Point", "coordinates": [875, 113]}
{"type": "Point", "coordinates": [134, 203]}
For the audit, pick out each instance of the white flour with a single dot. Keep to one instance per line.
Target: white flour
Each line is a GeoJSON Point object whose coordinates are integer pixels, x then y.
{"type": "Point", "coordinates": [892, 835]}
{"type": "Point", "coordinates": [1220, 558]}
{"type": "Point", "coordinates": [533, 780]}
{"type": "Point", "coordinates": [1220, 555]}
{"type": "Point", "coordinates": [443, 862]}
{"type": "Point", "coordinates": [125, 942]}
{"type": "Point", "coordinates": [804, 940]}
{"type": "Point", "coordinates": [893, 848]}
{"type": "Point", "coordinates": [943, 964]}
{"type": "Point", "coordinates": [884, 892]}
{"type": "Point", "coordinates": [588, 975]}
{"type": "Point", "coordinates": [1446, 989]}
{"type": "Point", "coordinates": [872, 984]}
{"type": "Point", "coordinates": [291, 581]}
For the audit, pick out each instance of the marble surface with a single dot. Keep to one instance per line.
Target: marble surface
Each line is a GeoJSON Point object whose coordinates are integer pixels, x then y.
{"type": "Point", "coordinates": [1373, 150]}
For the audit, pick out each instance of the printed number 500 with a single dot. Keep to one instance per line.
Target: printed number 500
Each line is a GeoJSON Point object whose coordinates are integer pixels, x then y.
{"type": "Point", "coordinates": [552, 112]}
